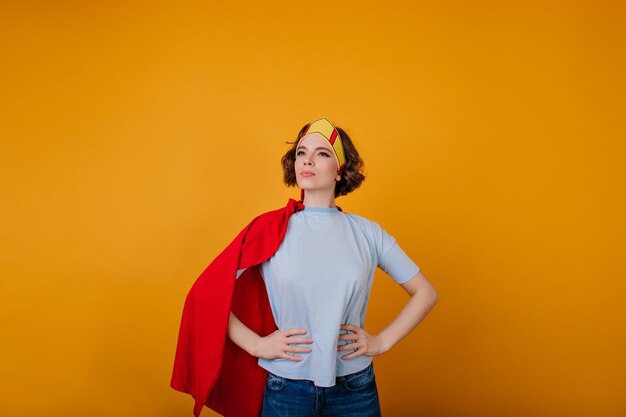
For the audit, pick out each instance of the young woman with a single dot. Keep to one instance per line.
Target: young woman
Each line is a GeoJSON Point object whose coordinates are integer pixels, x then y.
{"type": "Point", "coordinates": [319, 361]}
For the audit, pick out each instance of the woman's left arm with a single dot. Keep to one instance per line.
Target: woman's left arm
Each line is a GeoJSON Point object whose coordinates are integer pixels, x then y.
{"type": "Point", "coordinates": [423, 299]}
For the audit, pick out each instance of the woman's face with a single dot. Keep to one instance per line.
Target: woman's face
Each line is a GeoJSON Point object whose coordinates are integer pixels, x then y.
{"type": "Point", "coordinates": [315, 165]}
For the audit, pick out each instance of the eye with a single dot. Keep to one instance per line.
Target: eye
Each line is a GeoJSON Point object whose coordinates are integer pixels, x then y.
{"type": "Point", "coordinates": [299, 152]}
{"type": "Point", "coordinates": [324, 153]}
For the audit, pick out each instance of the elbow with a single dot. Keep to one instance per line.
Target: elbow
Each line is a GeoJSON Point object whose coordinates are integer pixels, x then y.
{"type": "Point", "coordinates": [427, 295]}
{"type": "Point", "coordinates": [434, 296]}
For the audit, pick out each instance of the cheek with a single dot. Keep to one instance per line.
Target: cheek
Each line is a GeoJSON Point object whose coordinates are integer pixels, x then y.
{"type": "Point", "coordinates": [330, 167]}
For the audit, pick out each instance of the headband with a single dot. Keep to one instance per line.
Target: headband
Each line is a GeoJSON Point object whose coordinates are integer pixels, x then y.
{"type": "Point", "coordinates": [325, 128]}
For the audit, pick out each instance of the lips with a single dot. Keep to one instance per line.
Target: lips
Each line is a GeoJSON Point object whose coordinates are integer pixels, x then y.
{"type": "Point", "coordinates": [307, 173]}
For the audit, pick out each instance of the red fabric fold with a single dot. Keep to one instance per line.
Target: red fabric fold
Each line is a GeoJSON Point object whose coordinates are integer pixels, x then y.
{"type": "Point", "coordinates": [208, 365]}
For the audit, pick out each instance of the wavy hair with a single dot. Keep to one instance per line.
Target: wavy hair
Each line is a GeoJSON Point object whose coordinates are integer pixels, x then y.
{"type": "Point", "coordinates": [351, 176]}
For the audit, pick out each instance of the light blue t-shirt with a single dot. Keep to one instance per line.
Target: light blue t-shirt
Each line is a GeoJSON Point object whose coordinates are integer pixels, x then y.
{"type": "Point", "coordinates": [319, 278]}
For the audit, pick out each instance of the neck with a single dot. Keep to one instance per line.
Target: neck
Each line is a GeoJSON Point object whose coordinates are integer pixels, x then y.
{"type": "Point", "coordinates": [313, 199]}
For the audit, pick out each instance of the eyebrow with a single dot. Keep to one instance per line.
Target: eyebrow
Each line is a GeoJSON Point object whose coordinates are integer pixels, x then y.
{"type": "Point", "coordinates": [319, 147]}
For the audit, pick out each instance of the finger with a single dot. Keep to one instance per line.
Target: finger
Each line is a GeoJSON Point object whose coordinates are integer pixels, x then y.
{"type": "Point", "coordinates": [349, 336]}
{"type": "Point", "coordinates": [350, 327]}
{"type": "Point", "coordinates": [297, 349]}
{"type": "Point", "coordinates": [353, 346]}
{"type": "Point", "coordinates": [291, 357]}
{"type": "Point", "coordinates": [349, 346]}
{"type": "Point", "coordinates": [299, 340]}
{"type": "Point", "coordinates": [293, 331]}
{"type": "Point", "coordinates": [352, 355]}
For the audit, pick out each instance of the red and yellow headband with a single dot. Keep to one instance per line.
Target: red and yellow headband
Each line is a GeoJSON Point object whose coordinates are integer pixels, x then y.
{"type": "Point", "coordinates": [325, 128]}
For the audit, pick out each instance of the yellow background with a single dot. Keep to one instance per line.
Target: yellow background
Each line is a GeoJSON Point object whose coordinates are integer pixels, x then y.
{"type": "Point", "coordinates": [138, 138]}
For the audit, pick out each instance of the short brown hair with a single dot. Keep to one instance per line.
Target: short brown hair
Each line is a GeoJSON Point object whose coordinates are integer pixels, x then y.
{"type": "Point", "coordinates": [351, 176]}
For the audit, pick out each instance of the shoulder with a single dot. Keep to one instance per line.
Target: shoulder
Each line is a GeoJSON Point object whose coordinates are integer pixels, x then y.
{"type": "Point", "coordinates": [365, 223]}
{"type": "Point", "coordinates": [266, 227]}
{"type": "Point", "coordinates": [271, 214]}
{"type": "Point", "coordinates": [277, 216]}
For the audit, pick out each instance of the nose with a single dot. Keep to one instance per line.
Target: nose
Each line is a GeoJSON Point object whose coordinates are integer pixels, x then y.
{"type": "Point", "coordinates": [307, 161]}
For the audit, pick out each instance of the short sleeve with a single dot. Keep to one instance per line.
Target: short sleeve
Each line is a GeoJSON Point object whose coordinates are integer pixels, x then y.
{"type": "Point", "coordinates": [392, 259]}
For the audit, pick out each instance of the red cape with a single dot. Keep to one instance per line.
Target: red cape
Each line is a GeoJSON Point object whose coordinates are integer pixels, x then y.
{"type": "Point", "coordinates": [208, 365]}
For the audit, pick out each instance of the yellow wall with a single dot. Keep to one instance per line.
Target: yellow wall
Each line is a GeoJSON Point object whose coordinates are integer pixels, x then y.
{"type": "Point", "coordinates": [136, 140]}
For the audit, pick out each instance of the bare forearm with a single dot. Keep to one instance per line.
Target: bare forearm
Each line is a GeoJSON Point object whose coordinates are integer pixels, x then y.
{"type": "Point", "coordinates": [411, 315]}
{"type": "Point", "coordinates": [241, 335]}
{"type": "Point", "coordinates": [275, 345]}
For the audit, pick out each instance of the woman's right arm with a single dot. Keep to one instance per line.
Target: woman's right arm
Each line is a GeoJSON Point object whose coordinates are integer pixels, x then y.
{"type": "Point", "coordinates": [272, 346]}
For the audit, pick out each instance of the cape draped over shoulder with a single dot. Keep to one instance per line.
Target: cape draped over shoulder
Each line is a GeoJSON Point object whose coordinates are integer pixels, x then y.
{"type": "Point", "coordinates": [208, 365]}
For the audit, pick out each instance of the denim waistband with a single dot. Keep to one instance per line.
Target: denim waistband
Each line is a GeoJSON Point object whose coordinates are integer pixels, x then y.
{"type": "Point", "coordinates": [338, 379]}
{"type": "Point", "coordinates": [362, 371]}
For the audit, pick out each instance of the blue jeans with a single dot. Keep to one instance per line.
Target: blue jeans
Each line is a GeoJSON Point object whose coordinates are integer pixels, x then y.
{"type": "Point", "coordinates": [353, 395]}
